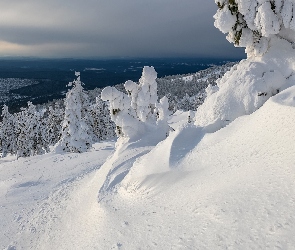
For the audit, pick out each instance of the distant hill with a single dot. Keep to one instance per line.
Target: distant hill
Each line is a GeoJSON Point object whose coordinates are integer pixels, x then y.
{"type": "Point", "coordinates": [40, 80]}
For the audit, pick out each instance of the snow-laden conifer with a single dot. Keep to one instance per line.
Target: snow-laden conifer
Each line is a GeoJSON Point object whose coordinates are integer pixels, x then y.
{"type": "Point", "coordinates": [41, 138]}
{"type": "Point", "coordinates": [104, 128]}
{"type": "Point", "coordinates": [7, 133]}
{"type": "Point", "coordinates": [27, 131]}
{"type": "Point", "coordinates": [253, 23]}
{"type": "Point", "coordinates": [54, 123]}
{"type": "Point", "coordinates": [135, 113]}
{"type": "Point", "coordinates": [147, 95]}
{"type": "Point", "coordinates": [265, 29]}
{"type": "Point", "coordinates": [76, 133]}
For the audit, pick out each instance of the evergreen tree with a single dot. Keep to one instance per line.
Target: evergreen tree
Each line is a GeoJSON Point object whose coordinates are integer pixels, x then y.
{"type": "Point", "coordinates": [104, 127]}
{"type": "Point", "coordinates": [252, 24]}
{"type": "Point", "coordinates": [76, 133]}
{"type": "Point", "coordinates": [40, 134]}
{"type": "Point", "coordinates": [53, 126]}
{"type": "Point", "coordinates": [7, 133]}
{"type": "Point", "coordinates": [31, 132]}
{"type": "Point", "coordinates": [23, 142]}
{"type": "Point", "coordinates": [135, 113]}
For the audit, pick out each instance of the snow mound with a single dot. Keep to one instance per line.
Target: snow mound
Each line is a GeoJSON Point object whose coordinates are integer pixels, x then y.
{"type": "Point", "coordinates": [231, 189]}
{"type": "Point", "coordinates": [247, 86]}
{"type": "Point", "coordinates": [286, 98]}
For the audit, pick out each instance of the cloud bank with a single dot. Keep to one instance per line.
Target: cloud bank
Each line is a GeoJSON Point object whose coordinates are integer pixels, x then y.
{"type": "Point", "coordinates": [113, 28]}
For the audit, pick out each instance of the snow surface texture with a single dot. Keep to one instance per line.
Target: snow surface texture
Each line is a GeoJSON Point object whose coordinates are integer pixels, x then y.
{"type": "Point", "coordinates": [36, 193]}
{"type": "Point", "coordinates": [232, 189]}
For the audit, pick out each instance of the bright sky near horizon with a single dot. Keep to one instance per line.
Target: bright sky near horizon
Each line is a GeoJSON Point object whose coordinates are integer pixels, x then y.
{"type": "Point", "coordinates": [114, 28]}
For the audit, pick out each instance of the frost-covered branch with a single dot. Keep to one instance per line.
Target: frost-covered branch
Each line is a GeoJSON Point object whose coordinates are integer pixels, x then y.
{"type": "Point", "coordinates": [252, 23]}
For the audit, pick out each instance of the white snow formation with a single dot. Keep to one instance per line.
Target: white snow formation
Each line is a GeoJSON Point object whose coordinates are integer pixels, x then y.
{"type": "Point", "coordinates": [138, 112]}
{"type": "Point", "coordinates": [254, 23]}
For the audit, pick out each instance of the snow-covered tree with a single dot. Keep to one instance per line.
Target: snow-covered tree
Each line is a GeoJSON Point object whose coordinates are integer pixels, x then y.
{"type": "Point", "coordinates": [266, 28]}
{"type": "Point", "coordinates": [21, 133]}
{"type": "Point", "coordinates": [121, 112]}
{"type": "Point", "coordinates": [253, 23]}
{"type": "Point", "coordinates": [40, 134]}
{"type": "Point", "coordinates": [25, 129]}
{"type": "Point", "coordinates": [54, 123]}
{"type": "Point", "coordinates": [147, 95]}
{"type": "Point", "coordinates": [104, 128]}
{"type": "Point", "coordinates": [76, 133]}
{"type": "Point", "coordinates": [162, 109]}
{"type": "Point", "coordinates": [7, 133]}
{"type": "Point", "coordinates": [135, 113]}
{"type": "Point", "coordinates": [31, 133]}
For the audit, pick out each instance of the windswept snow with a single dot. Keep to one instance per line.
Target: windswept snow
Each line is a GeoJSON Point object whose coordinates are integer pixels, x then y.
{"type": "Point", "coordinates": [36, 193]}
{"type": "Point", "coordinates": [232, 189]}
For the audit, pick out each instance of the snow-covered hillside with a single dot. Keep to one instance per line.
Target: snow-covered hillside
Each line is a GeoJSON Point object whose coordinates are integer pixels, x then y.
{"type": "Point", "coordinates": [232, 189]}
{"type": "Point", "coordinates": [218, 178]}
{"type": "Point", "coordinates": [35, 193]}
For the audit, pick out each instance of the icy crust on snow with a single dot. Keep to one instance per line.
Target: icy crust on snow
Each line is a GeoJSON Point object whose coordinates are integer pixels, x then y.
{"type": "Point", "coordinates": [247, 86]}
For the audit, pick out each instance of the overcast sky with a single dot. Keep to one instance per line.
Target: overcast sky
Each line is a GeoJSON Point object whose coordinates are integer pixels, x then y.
{"type": "Point", "coordinates": [112, 28]}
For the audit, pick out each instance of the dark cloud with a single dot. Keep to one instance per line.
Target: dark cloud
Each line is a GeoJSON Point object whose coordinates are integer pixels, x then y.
{"type": "Point", "coordinates": [114, 28]}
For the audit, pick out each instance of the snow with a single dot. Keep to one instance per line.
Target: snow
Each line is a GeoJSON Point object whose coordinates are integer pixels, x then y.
{"type": "Point", "coordinates": [188, 78]}
{"type": "Point", "coordinates": [224, 181]}
{"type": "Point", "coordinates": [247, 86]}
{"type": "Point", "coordinates": [34, 190]}
{"type": "Point", "coordinates": [231, 189]}
{"type": "Point", "coordinates": [218, 178]}
{"type": "Point", "coordinates": [138, 112]}
{"type": "Point", "coordinates": [254, 23]}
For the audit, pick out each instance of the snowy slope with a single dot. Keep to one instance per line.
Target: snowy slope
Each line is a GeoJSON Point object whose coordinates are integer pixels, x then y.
{"type": "Point", "coordinates": [34, 192]}
{"type": "Point", "coordinates": [232, 189]}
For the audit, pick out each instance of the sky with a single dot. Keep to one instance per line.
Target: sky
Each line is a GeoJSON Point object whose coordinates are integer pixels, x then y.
{"type": "Point", "coordinates": [112, 28]}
